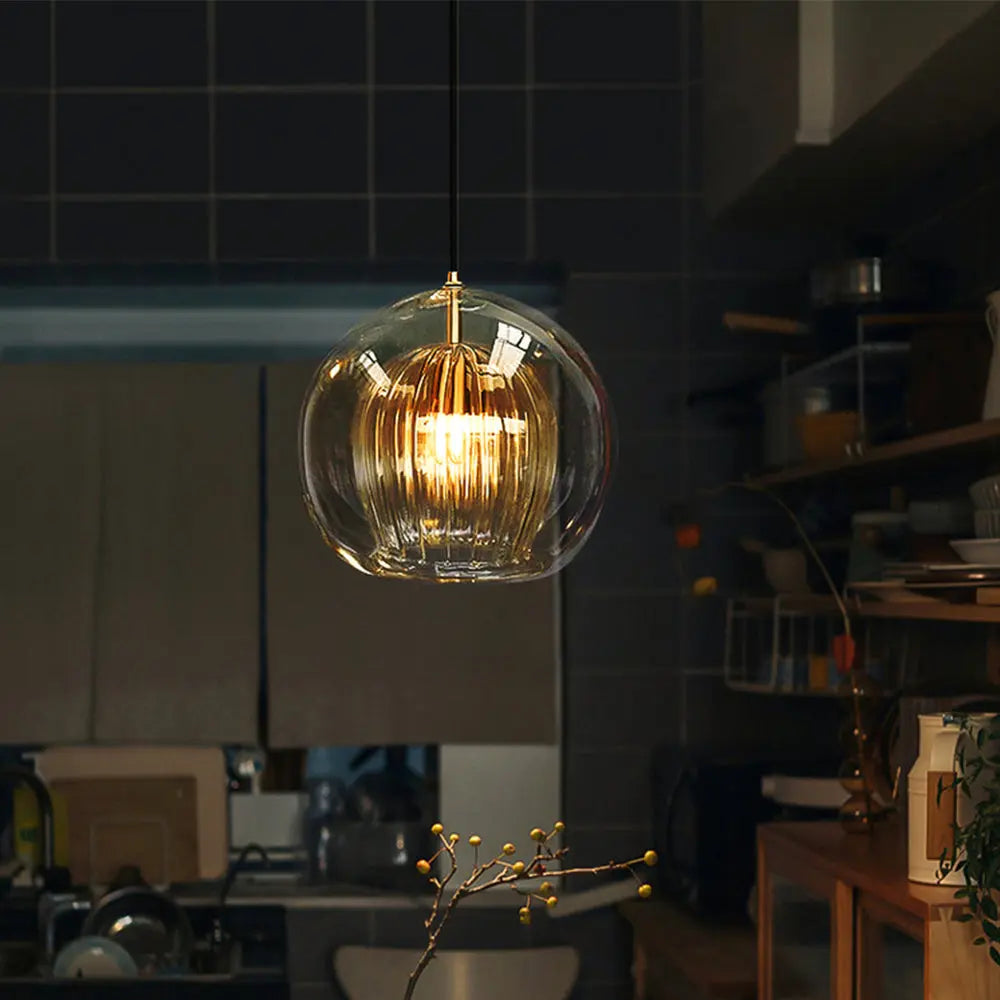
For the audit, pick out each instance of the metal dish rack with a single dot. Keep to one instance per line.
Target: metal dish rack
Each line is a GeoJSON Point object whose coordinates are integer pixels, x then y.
{"type": "Point", "coordinates": [782, 645]}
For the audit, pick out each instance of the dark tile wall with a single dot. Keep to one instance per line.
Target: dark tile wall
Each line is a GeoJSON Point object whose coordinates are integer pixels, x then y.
{"type": "Point", "coordinates": [252, 131]}
{"type": "Point", "coordinates": [950, 218]}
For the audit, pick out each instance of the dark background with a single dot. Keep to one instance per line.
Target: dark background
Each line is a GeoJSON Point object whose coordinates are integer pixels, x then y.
{"type": "Point", "coordinates": [227, 131]}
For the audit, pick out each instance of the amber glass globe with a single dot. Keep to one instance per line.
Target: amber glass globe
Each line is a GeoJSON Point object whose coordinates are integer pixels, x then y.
{"type": "Point", "coordinates": [456, 436]}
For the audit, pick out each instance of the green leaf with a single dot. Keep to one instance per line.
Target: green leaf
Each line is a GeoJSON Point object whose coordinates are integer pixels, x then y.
{"type": "Point", "coordinates": [991, 929]}
{"type": "Point", "coordinates": [963, 918]}
{"type": "Point", "coordinates": [979, 940]}
{"type": "Point", "coordinates": [989, 907]}
{"type": "Point", "coordinates": [995, 955]}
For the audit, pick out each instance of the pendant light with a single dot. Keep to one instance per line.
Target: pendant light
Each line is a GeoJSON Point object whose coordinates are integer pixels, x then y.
{"type": "Point", "coordinates": [456, 435]}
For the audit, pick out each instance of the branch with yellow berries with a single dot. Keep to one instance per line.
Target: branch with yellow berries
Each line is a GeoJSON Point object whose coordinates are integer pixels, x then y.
{"type": "Point", "coordinates": [499, 871]}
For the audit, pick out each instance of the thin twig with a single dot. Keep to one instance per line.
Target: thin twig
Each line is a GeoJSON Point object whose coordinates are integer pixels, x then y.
{"type": "Point", "coordinates": [511, 873]}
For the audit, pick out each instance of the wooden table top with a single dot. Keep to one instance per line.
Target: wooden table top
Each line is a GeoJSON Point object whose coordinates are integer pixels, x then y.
{"type": "Point", "coordinates": [874, 863]}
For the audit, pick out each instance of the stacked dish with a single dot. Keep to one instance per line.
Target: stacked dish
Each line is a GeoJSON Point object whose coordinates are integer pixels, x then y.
{"type": "Point", "coordinates": [985, 547]}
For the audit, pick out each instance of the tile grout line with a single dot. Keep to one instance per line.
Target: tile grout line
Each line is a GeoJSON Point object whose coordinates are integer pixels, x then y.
{"type": "Point", "coordinates": [529, 130]}
{"type": "Point", "coordinates": [685, 307]}
{"type": "Point", "coordinates": [53, 237]}
{"type": "Point", "coordinates": [210, 75]}
{"type": "Point", "coordinates": [334, 88]}
{"type": "Point", "coordinates": [358, 195]}
{"type": "Point", "coordinates": [370, 135]}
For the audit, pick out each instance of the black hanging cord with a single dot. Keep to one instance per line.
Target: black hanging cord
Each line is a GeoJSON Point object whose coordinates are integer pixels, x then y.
{"type": "Point", "coordinates": [453, 133]}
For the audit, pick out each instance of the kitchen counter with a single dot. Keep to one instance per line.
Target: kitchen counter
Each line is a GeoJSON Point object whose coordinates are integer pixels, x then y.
{"type": "Point", "coordinates": [250, 891]}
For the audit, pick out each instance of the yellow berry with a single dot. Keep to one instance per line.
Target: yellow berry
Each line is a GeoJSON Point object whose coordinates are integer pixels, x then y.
{"type": "Point", "coordinates": [509, 849]}
{"type": "Point", "coordinates": [423, 867]}
{"type": "Point", "coordinates": [517, 867]}
{"type": "Point", "coordinates": [475, 840]}
{"type": "Point", "coordinates": [559, 826]}
{"type": "Point", "coordinates": [524, 915]}
{"type": "Point", "coordinates": [454, 838]}
{"type": "Point", "coordinates": [545, 888]}
{"type": "Point", "coordinates": [645, 890]}
{"type": "Point", "coordinates": [538, 834]}
{"type": "Point", "coordinates": [437, 829]}
{"type": "Point", "coordinates": [650, 858]}
{"type": "Point", "coordinates": [551, 901]}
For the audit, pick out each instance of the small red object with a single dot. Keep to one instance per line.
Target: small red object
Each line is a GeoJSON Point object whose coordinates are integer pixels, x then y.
{"type": "Point", "coordinates": [844, 649]}
{"type": "Point", "coordinates": [688, 536]}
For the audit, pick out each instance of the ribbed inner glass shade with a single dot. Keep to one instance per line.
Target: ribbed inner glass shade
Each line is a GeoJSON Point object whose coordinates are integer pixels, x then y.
{"type": "Point", "coordinates": [457, 435]}
{"type": "Point", "coordinates": [454, 461]}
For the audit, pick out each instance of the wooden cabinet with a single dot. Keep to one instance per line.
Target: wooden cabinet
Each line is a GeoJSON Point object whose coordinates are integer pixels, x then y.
{"type": "Point", "coordinates": [176, 645]}
{"type": "Point", "coordinates": [49, 537]}
{"type": "Point", "coordinates": [838, 918]}
{"type": "Point", "coordinates": [129, 577]}
{"type": "Point", "coordinates": [354, 659]}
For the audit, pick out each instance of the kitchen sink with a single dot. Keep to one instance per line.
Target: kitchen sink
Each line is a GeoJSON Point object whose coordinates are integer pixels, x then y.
{"type": "Point", "coordinates": [250, 963]}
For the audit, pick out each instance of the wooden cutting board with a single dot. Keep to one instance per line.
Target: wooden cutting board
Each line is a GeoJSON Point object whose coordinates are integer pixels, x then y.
{"type": "Point", "coordinates": [205, 765]}
{"type": "Point", "coordinates": [151, 823]}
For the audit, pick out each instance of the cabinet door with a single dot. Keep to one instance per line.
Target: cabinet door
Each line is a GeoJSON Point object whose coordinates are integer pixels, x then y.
{"type": "Point", "coordinates": [805, 922]}
{"type": "Point", "coordinates": [49, 452]}
{"type": "Point", "coordinates": [353, 659]}
{"type": "Point", "coordinates": [889, 951]}
{"type": "Point", "coordinates": [177, 643]}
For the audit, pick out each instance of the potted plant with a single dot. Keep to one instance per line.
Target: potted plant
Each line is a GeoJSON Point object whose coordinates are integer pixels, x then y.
{"type": "Point", "coordinates": [976, 852]}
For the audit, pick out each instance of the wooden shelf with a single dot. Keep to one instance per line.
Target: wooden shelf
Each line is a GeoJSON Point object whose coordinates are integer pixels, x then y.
{"type": "Point", "coordinates": [983, 437]}
{"type": "Point", "coordinates": [930, 611]}
{"type": "Point", "coordinates": [940, 611]}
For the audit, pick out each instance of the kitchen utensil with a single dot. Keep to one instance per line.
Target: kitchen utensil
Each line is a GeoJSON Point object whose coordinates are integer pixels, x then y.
{"type": "Point", "coordinates": [978, 551]}
{"type": "Point", "coordinates": [149, 925]}
{"type": "Point", "coordinates": [151, 823]}
{"type": "Point", "coordinates": [987, 523]}
{"type": "Point", "coordinates": [380, 855]}
{"type": "Point", "coordinates": [991, 401]}
{"type": "Point", "coordinates": [93, 957]}
{"type": "Point", "coordinates": [756, 323]}
{"type": "Point", "coordinates": [951, 517]}
{"type": "Point", "coordinates": [784, 569]}
{"type": "Point", "coordinates": [783, 402]}
{"type": "Point", "coordinates": [860, 280]}
{"type": "Point", "coordinates": [828, 435]}
{"type": "Point", "coordinates": [205, 764]}
{"type": "Point", "coordinates": [942, 573]}
{"type": "Point", "coordinates": [985, 493]}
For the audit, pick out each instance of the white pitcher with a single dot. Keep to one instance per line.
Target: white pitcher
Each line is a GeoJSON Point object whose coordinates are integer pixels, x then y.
{"type": "Point", "coordinates": [991, 401]}
{"type": "Point", "coordinates": [929, 816]}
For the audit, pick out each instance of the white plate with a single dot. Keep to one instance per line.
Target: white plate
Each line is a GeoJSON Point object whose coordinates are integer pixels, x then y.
{"type": "Point", "coordinates": [94, 958]}
{"type": "Point", "coordinates": [981, 551]}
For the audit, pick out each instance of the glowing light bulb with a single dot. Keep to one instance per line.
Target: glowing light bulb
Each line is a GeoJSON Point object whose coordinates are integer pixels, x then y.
{"type": "Point", "coordinates": [454, 460]}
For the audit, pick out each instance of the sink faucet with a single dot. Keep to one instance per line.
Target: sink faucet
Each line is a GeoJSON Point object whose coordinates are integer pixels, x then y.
{"type": "Point", "coordinates": [17, 775]}
{"type": "Point", "coordinates": [219, 936]}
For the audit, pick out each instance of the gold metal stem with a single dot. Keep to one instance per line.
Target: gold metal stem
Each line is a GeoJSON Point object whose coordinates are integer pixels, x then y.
{"type": "Point", "coordinates": [454, 319]}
